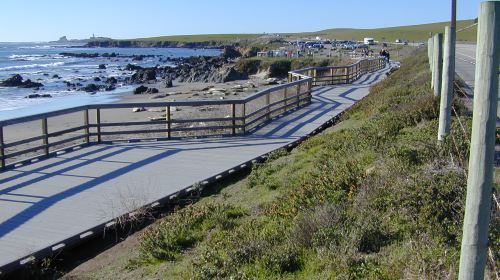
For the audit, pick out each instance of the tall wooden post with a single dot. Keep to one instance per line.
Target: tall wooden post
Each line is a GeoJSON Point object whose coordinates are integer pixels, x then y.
{"type": "Point", "coordinates": [347, 80]}
{"type": "Point", "coordinates": [438, 63]}
{"type": "Point", "coordinates": [448, 76]}
{"type": "Point", "coordinates": [98, 124]}
{"type": "Point", "coordinates": [45, 133]}
{"type": "Point", "coordinates": [430, 51]}
{"type": "Point", "coordinates": [482, 150]}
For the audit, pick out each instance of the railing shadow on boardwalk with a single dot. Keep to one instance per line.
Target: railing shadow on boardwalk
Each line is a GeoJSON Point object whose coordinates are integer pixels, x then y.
{"type": "Point", "coordinates": [45, 202]}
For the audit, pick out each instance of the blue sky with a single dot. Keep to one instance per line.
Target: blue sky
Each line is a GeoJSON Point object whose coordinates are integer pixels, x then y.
{"type": "Point", "coordinates": [43, 20]}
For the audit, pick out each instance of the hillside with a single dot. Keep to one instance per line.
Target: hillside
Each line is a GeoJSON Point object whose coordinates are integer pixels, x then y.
{"type": "Point", "coordinates": [375, 197]}
{"type": "Point", "coordinates": [411, 32]}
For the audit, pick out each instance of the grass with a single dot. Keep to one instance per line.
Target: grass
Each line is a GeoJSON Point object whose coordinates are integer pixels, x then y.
{"type": "Point", "coordinates": [373, 198]}
{"type": "Point", "coordinates": [412, 33]}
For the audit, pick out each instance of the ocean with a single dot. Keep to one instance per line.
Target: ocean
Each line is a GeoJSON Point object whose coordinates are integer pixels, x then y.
{"type": "Point", "coordinates": [40, 62]}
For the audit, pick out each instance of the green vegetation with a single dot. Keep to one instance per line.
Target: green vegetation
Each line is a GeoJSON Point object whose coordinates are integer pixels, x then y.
{"type": "Point", "coordinates": [373, 198]}
{"type": "Point", "coordinates": [390, 34]}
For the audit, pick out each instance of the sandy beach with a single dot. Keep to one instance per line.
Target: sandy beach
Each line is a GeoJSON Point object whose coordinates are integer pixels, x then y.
{"type": "Point", "coordinates": [179, 92]}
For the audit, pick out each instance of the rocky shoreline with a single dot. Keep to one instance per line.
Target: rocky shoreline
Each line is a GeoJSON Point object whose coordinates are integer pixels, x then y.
{"type": "Point", "coordinates": [195, 69]}
{"type": "Point", "coordinates": [155, 44]}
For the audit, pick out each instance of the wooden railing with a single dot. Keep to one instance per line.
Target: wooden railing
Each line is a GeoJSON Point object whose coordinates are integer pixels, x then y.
{"type": "Point", "coordinates": [97, 124]}
{"type": "Point", "coordinates": [334, 75]}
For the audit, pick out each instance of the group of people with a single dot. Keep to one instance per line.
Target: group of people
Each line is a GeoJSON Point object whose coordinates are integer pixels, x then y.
{"type": "Point", "coordinates": [384, 53]}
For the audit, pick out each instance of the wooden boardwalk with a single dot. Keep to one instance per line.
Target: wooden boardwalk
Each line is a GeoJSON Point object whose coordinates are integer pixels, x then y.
{"type": "Point", "coordinates": [56, 202]}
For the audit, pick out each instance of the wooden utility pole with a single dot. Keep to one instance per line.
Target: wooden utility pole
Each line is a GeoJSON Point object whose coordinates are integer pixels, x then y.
{"type": "Point", "coordinates": [437, 63]}
{"type": "Point", "coordinates": [482, 150]}
{"type": "Point", "coordinates": [448, 74]}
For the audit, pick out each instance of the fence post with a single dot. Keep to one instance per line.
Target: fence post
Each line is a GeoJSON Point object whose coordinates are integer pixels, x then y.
{"type": "Point", "coordinates": [347, 80]}
{"type": "Point", "coordinates": [438, 63]}
{"type": "Point", "coordinates": [86, 123]}
{"type": "Point", "coordinates": [482, 150]}
{"type": "Point", "coordinates": [167, 117]}
{"type": "Point", "coordinates": [2, 149]}
{"type": "Point", "coordinates": [233, 116]}
{"type": "Point", "coordinates": [98, 124]}
{"type": "Point", "coordinates": [331, 74]}
{"type": "Point", "coordinates": [447, 87]}
{"type": "Point", "coordinates": [45, 133]}
{"type": "Point", "coordinates": [431, 59]}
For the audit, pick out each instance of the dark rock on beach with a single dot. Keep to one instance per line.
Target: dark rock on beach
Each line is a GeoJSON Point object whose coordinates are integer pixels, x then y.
{"type": "Point", "coordinates": [17, 81]}
{"type": "Point", "coordinates": [102, 66]}
{"type": "Point", "coordinates": [132, 67]}
{"type": "Point", "coordinates": [36, 95]}
{"type": "Point", "coordinates": [111, 80]}
{"type": "Point", "coordinates": [140, 90]}
{"type": "Point", "coordinates": [90, 88]}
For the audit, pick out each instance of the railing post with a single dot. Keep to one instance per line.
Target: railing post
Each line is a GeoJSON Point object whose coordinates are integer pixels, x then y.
{"type": "Point", "coordinates": [309, 95]}
{"type": "Point", "coordinates": [298, 95]}
{"type": "Point", "coordinates": [315, 73]}
{"type": "Point", "coordinates": [2, 149]}
{"type": "Point", "coordinates": [285, 96]}
{"type": "Point", "coordinates": [45, 133]}
{"type": "Point", "coordinates": [482, 148]}
{"type": "Point", "coordinates": [346, 72]}
{"type": "Point", "coordinates": [167, 116]}
{"type": "Point", "coordinates": [98, 124]}
{"type": "Point", "coordinates": [244, 115]}
{"type": "Point", "coordinates": [331, 74]}
{"type": "Point", "coordinates": [86, 123]}
{"type": "Point", "coordinates": [268, 110]}
{"type": "Point", "coordinates": [233, 116]}
{"type": "Point", "coordinates": [438, 63]}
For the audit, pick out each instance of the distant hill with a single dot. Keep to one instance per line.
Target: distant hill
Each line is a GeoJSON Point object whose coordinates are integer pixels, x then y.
{"type": "Point", "coordinates": [410, 32]}
{"type": "Point", "coordinates": [418, 33]}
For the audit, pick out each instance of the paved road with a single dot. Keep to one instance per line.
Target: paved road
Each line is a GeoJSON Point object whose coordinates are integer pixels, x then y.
{"type": "Point", "coordinates": [63, 199]}
{"type": "Point", "coordinates": [465, 66]}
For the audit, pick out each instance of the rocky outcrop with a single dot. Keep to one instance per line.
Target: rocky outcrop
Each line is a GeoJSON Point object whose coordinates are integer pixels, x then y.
{"type": "Point", "coordinates": [18, 81]}
{"type": "Point", "coordinates": [143, 76]}
{"type": "Point", "coordinates": [230, 52]}
{"type": "Point", "coordinates": [155, 44]}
